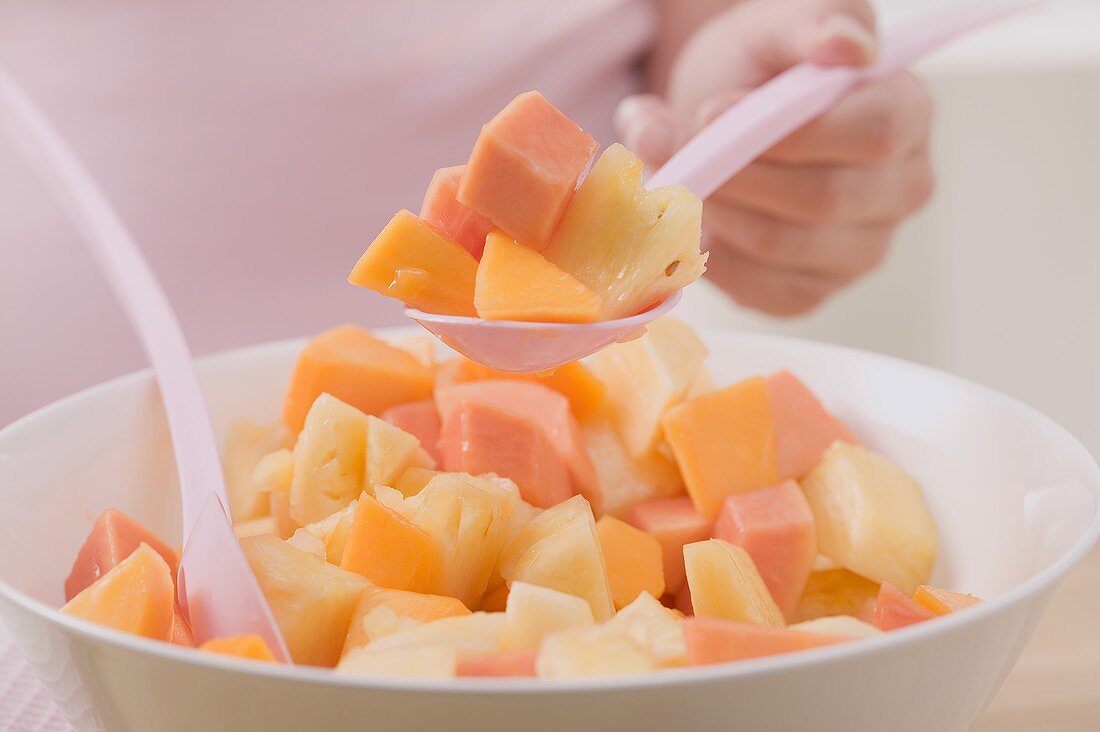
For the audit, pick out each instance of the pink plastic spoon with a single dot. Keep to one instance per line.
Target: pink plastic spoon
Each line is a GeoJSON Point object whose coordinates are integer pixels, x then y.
{"type": "Point", "coordinates": [216, 584]}
{"type": "Point", "coordinates": [717, 153]}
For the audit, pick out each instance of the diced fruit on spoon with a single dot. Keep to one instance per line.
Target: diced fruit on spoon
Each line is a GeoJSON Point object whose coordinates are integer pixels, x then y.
{"type": "Point", "coordinates": [215, 582]}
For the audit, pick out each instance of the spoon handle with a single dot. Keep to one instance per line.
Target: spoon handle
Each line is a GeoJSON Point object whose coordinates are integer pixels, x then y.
{"type": "Point", "coordinates": [790, 100]}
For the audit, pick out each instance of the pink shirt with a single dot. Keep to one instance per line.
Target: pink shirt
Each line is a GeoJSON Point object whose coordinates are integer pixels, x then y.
{"type": "Point", "coordinates": [254, 148]}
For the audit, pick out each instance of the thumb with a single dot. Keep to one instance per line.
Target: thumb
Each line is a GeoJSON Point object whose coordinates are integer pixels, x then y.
{"type": "Point", "coordinates": [841, 40]}
{"type": "Point", "coordinates": [647, 126]}
{"type": "Point", "coordinates": [829, 32]}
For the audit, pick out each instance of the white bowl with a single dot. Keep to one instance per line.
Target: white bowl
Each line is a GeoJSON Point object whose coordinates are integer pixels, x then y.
{"type": "Point", "coordinates": [1014, 496]}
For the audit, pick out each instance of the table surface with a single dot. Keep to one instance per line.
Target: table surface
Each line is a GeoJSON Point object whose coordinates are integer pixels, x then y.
{"type": "Point", "coordinates": [1055, 687]}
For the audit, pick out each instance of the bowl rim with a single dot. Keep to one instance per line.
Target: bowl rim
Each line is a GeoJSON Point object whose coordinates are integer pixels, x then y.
{"type": "Point", "coordinates": [673, 677]}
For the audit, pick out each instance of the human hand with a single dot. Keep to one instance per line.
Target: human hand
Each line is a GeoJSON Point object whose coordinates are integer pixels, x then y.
{"type": "Point", "coordinates": [819, 209]}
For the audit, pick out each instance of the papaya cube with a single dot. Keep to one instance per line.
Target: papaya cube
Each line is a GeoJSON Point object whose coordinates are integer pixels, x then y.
{"type": "Point", "coordinates": [894, 609]}
{"type": "Point", "coordinates": [114, 536]}
{"type": "Point", "coordinates": [623, 480]}
{"type": "Point", "coordinates": [941, 601]}
{"type": "Point", "coordinates": [441, 208]}
{"type": "Point", "coordinates": [834, 592]}
{"type": "Point", "coordinates": [724, 583]}
{"type": "Point", "coordinates": [420, 419]}
{"type": "Point", "coordinates": [357, 368]}
{"type": "Point", "coordinates": [136, 596]}
{"type": "Point", "coordinates": [243, 646]}
{"type": "Point", "coordinates": [633, 558]}
{"type": "Point", "coordinates": [803, 429]}
{"type": "Point", "coordinates": [312, 600]}
{"type": "Point", "coordinates": [499, 663]}
{"type": "Point", "coordinates": [673, 522]}
{"type": "Point", "coordinates": [548, 294]}
{"type": "Point", "coordinates": [573, 380]}
{"type": "Point", "coordinates": [420, 607]}
{"type": "Point", "coordinates": [418, 264]}
{"type": "Point", "coordinates": [776, 527]}
{"type": "Point", "coordinates": [524, 167]}
{"type": "Point", "coordinates": [387, 548]}
{"type": "Point", "coordinates": [710, 640]}
{"type": "Point", "coordinates": [724, 443]}
{"type": "Point", "coordinates": [534, 612]}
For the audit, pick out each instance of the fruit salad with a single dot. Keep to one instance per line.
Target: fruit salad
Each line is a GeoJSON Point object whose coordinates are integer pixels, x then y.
{"type": "Point", "coordinates": [510, 235]}
{"type": "Point", "coordinates": [410, 517]}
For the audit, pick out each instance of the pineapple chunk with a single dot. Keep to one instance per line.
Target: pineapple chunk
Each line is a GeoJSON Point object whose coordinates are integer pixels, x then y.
{"type": "Point", "coordinates": [312, 601]}
{"type": "Point", "coordinates": [389, 452]}
{"type": "Point", "coordinates": [838, 625]}
{"type": "Point", "coordinates": [468, 521]}
{"type": "Point", "coordinates": [413, 480]}
{"type": "Point", "coordinates": [420, 347]}
{"type": "Point", "coordinates": [834, 592]}
{"type": "Point", "coordinates": [334, 531]}
{"type": "Point", "coordinates": [476, 633]}
{"type": "Point", "coordinates": [329, 460]}
{"type": "Point", "coordinates": [560, 549]}
{"type": "Point", "coordinates": [381, 612]}
{"type": "Point", "coordinates": [646, 376]}
{"type": "Point", "coordinates": [261, 525]}
{"type": "Point", "coordinates": [245, 446]}
{"type": "Point", "coordinates": [621, 479]}
{"type": "Point", "coordinates": [534, 612]}
{"type": "Point", "coordinates": [274, 474]}
{"type": "Point", "coordinates": [724, 584]}
{"type": "Point", "coordinates": [941, 601]}
{"type": "Point", "coordinates": [307, 541]}
{"type": "Point", "coordinates": [630, 246]}
{"type": "Point", "coordinates": [591, 652]}
{"type": "Point", "coordinates": [871, 517]}
{"type": "Point", "coordinates": [432, 662]}
{"type": "Point", "coordinates": [654, 628]}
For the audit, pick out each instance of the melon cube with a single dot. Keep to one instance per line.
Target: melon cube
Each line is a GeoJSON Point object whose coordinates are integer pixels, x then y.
{"type": "Point", "coordinates": [312, 600]}
{"type": "Point", "coordinates": [591, 652]}
{"type": "Point", "coordinates": [357, 368]}
{"type": "Point", "coordinates": [559, 549]}
{"type": "Point", "coordinates": [573, 380]}
{"type": "Point", "coordinates": [645, 377]}
{"type": "Point", "coordinates": [442, 209]}
{"type": "Point", "coordinates": [941, 601]}
{"type": "Point", "coordinates": [724, 443]}
{"type": "Point", "coordinates": [776, 527]}
{"type": "Point", "coordinates": [623, 480]}
{"type": "Point", "coordinates": [249, 646]}
{"type": "Point", "coordinates": [420, 419]}
{"type": "Point", "coordinates": [630, 246]}
{"type": "Point", "coordinates": [137, 596]}
{"type": "Point", "coordinates": [501, 663]}
{"type": "Point", "coordinates": [803, 429]}
{"type": "Point", "coordinates": [114, 537]}
{"type": "Point", "coordinates": [387, 548]}
{"type": "Point", "coordinates": [548, 295]}
{"type": "Point", "coordinates": [725, 584]}
{"type": "Point", "coordinates": [834, 592]}
{"type": "Point", "coordinates": [413, 606]}
{"type": "Point", "coordinates": [710, 640]}
{"type": "Point", "coordinates": [534, 612]}
{"type": "Point", "coordinates": [673, 522]}
{"type": "Point", "coordinates": [524, 167]}
{"type": "Point", "coordinates": [633, 560]}
{"type": "Point", "coordinates": [654, 628]}
{"type": "Point", "coordinates": [871, 517]}
{"type": "Point", "coordinates": [894, 609]}
{"type": "Point", "coordinates": [329, 460]}
{"type": "Point", "coordinates": [246, 444]}
{"type": "Point", "coordinates": [845, 625]}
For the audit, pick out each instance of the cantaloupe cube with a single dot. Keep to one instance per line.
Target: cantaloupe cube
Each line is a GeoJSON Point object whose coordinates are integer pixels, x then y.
{"type": "Point", "coordinates": [623, 480]}
{"type": "Point", "coordinates": [573, 380]}
{"type": "Point", "coordinates": [803, 428]}
{"type": "Point", "coordinates": [418, 264]}
{"type": "Point", "coordinates": [246, 444]}
{"type": "Point", "coordinates": [776, 527]}
{"type": "Point", "coordinates": [633, 559]}
{"type": "Point", "coordinates": [329, 460]}
{"type": "Point", "coordinates": [535, 403]}
{"type": "Point", "coordinates": [630, 246]}
{"type": "Point", "coordinates": [312, 600]}
{"type": "Point", "coordinates": [534, 612]}
{"type": "Point", "coordinates": [479, 438]}
{"type": "Point", "coordinates": [242, 646]}
{"type": "Point", "coordinates": [358, 369]}
{"type": "Point", "coordinates": [114, 536]}
{"type": "Point", "coordinates": [548, 295]}
{"type": "Point", "coordinates": [834, 592]}
{"type": "Point", "coordinates": [387, 548]}
{"type": "Point", "coordinates": [845, 625]}
{"type": "Point", "coordinates": [559, 549]}
{"type": "Point", "coordinates": [725, 584]}
{"type": "Point", "coordinates": [894, 609]}
{"type": "Point", "coordinates": [724, 443]}
{"type": "Point", "coordinates": [941, 601]}
{"type": "Point", "coordinates": [645, 377]}
{"type": "Point", "coordinates": [524, 167]}
{"type": "Point", "coordinates": [673, 522]}
{"type": "Point", "coordinates": [500, 664]}
{"type": "Point", "coordinates": [413, 480]}
{"type": "Point", "coordinates": [420, 419]}
{"type": "Point", "coordinates": [871, 517]}
{"type": "Point", "coordinates": [653, 628]}
{"type": "Point", "coordinates": [180, 634]}
{"type": "Point", "coordinates": [442, 209]}
{"type": "Point", "coordinates": [710, 640]}
{"type": "Point", "coordinates": [136, 596]}
{"type": "Point", "coordinates": [591, 652]}
{"type": "Point", "coordinates": [420, 607]}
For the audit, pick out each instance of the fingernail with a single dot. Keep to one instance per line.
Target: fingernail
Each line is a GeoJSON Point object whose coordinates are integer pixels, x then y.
{"type": "Point", "coordinates": [630, 109]}
{"type": "Point", "coordinates": [842, 39]}
{"type": "Point", "coordinates": [648, 139]}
